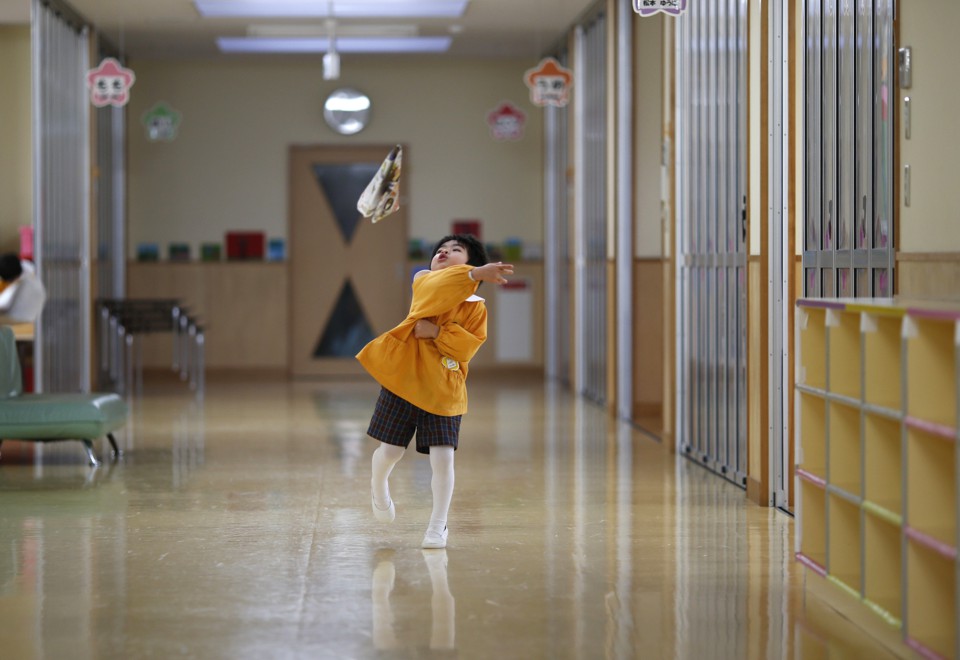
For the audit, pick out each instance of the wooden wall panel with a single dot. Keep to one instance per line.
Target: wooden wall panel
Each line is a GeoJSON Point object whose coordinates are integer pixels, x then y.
{"type": "Point", "coordinates": [757, 446]}
{"type": "Point", "coordinates": [929, 275]}
{"type": "Point", "coordinates": [648, 344]}
{"type": "Point", "coordinates": [244, 308]}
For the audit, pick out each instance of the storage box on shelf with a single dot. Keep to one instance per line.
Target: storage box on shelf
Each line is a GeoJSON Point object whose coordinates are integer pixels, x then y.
{"type": "Point", "coordinates": [877, 465]}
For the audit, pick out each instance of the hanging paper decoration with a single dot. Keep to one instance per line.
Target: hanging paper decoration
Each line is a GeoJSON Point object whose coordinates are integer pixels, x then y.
{"type": "Point", "coordinates": [650, 7]}
{"type": "Point", "coordinates": [110, 83]}
{"type": "Point", "coordinates": [161, 122]}
{"type": "Point", "coordinates": [506, 122]}
{"type": "Point", "coordinates": [549, 83]}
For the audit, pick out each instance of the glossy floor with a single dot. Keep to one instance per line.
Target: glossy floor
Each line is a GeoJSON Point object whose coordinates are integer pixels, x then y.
{"type": "Point", "coordinates": [240, 527]}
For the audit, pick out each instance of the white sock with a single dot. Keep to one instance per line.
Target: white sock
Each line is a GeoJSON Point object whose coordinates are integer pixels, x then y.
{"type": "Point", "coordinates": [441, 462]}
{"type": "Point", "coordinates": [384, 458]}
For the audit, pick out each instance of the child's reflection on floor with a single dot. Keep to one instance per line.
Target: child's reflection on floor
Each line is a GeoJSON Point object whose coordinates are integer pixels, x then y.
{"type": "Point", "coordinates": [442, 604]}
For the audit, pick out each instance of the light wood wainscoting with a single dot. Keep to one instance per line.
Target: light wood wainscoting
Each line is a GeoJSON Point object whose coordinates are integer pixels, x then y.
{"type": "Point", "coordinates": [244, 309]}
{"type": "Point", "coordinates": [757, 364]}
{"type": "Point", "coordinates": [648, 344]}
{"type": "Point", "coordinates": [929, 275]}
{"type": "Point", "coordinates": [242, 305]}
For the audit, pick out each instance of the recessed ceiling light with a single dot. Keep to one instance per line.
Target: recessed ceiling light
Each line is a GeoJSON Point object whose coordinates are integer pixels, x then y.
{"type": "Point", "coordinates": [341, 8]}
{"type": "Point", "coordinates": [344, 45]}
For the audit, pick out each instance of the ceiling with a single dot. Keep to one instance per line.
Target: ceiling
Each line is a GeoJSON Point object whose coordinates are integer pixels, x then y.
{"type": "Point", "coordinates": [167, 29]}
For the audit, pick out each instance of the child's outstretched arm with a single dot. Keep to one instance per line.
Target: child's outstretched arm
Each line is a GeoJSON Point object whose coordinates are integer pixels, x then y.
{"type": "Point", "coordinates": [492, 272]}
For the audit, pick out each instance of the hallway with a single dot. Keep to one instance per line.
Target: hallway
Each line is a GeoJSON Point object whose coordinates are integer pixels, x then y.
{"type": "Point", "coordinates": [241, 528]}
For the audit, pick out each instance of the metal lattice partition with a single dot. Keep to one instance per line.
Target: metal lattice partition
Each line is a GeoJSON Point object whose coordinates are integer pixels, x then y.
{"type": "Point", "coordinates": [711, 236]}
{"type": "Point", "coordinates": [591, 214]}
{"type": "Point", "coordinates": [109, 191]}
{"type": "Point", "coordinates": [557, 256]}
{"type": "Point", "coordinates": [61, 196]}
{"type": "Point", "coordinates": [850, 102]}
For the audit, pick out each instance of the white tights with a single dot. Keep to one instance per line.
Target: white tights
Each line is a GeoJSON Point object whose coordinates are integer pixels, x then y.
{"type": "Point", "coordinates": [441, 463]}
{"type": "Point", "coordinates": [384, 459]}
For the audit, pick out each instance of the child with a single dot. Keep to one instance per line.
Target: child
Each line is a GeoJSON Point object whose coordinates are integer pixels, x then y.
{"type": "Point", "coordinates": [22, 294]}
{"type": "Point", "coordinates": [422, 367]}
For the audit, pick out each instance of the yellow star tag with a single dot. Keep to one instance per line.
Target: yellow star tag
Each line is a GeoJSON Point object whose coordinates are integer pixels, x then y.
{"type": "Point", "coordinates": [450, 363]}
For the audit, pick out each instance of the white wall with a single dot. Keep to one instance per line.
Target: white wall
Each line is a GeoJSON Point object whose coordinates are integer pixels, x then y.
{"type": "Point", "coordinates": [648, 73]}
{"type": "Point", "coordinates": [16, 151]}
{"type": "Point", "coordinates": [755, 59]}
{"type": "Point", "coordinates": [227, 169]}
{"type": "Point", "coordinates": [932, 221]}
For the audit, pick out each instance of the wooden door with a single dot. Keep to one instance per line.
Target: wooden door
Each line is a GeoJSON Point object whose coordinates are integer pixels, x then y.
{"type": "Point", "coordinates": [347, 275]}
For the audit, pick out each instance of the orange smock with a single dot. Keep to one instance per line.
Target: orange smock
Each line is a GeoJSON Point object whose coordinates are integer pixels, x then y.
{"type": "Point", "coordinates": [431, 373]}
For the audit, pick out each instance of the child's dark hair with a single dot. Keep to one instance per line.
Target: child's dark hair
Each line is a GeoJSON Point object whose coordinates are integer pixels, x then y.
{"type": "Point", "coordinates": [476, 253]}
{"type": "Point", "coordinates": [10, 268]}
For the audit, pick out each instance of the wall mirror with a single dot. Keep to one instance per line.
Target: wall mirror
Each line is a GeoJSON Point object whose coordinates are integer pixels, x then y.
{"type": "Point", "coordinates": [347, 111]}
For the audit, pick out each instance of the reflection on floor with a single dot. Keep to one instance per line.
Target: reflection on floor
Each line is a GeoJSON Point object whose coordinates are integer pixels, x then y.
{"type": "Point", "coordinates": [239, 527]}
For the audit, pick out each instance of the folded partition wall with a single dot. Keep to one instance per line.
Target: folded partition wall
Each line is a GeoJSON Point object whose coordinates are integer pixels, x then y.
{"type": "Point", "coordinates": [61, 196]}
{"type": "Point", "coordinates": [711, 235]}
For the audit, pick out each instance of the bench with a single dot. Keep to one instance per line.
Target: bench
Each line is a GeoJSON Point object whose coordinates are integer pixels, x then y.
{"type": "Point", "coordinates": [53, 417]}
{"type": "Point", "coordinates": [122, 320]}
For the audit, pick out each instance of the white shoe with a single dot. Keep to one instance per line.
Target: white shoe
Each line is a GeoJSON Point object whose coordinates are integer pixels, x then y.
{"type": "Point", "coordinates": [435, 540]}
{"type": "Point", "coordinates": [383, 515]}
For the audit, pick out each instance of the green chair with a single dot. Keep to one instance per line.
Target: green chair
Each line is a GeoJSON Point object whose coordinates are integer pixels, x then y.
{"type": "Point", "coordinates": [53, 417]}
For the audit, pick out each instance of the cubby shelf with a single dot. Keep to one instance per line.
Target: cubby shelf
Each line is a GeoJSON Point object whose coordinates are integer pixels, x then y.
{"type": "Point", "coordinates": [931, 600]}
{"type": "Point", "coordinates": [813, 342]}
{"type": "Point", "coordinates": [843, 542]}
{"type": "Point", "coordinates": [882, 565]}
{"type": "Point", "coordinates": [843, 375]}
{"type": "Point", "coordinates": [813, 418]}
{"type": "Point", "coordinates": [931, 371]}
{"type": "Point", "coordinates": [877, 463]}
{"type": "Point", "coordinates": [813, 525]}
{"type": "Point", "coordinates": [882, 461]}
{"type": "Point", "coordinates": [844, 461]}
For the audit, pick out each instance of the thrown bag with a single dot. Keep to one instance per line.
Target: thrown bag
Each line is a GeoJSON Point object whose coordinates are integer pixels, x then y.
{"type": "Point", "coordinates": [381, 196]}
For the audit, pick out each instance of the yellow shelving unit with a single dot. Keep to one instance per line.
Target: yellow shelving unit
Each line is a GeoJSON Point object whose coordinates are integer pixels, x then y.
{"type": "Point", "coordinates": [881, 359]}
{"type": "Point", "coordinates": [932, 485]}
{"type": "Point", "coordinates": [844, 362]}
{"type": "Point", "coordinates": [931, 600]}
{"type": "Point", "coordinates": [813, 416]}
{"type": "Point", "coordinates": [878, 465]}
{"type": "Point", "coordinates": [813, 342]}
{"type": "Point", "coordinates": [883, 462]}
{"type": "Point", "coordinates": [843, 544]}
{"type": "Point", "coordinates": [813, 528]}
{"type": "Point", "coordinates": [845, 462]}
{"type": "Point", "coordinates": [931, 371]}
{"type": "Point", "coordinates": [882, 567]}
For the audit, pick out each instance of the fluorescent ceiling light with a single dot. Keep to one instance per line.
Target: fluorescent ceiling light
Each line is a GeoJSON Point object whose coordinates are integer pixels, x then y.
{"type": "Point", "coordinates": [322, 31]}
{"type": "Point", "coordinates": [344, 45]}
{"type": "Point", "coordinates": [341, 8]}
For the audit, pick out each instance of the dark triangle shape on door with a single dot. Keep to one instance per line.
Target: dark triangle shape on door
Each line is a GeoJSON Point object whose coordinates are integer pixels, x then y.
{"type": "Point", "coordinates": [347, 329]}
{"type": "Point", "coordinates": [343, 184]}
